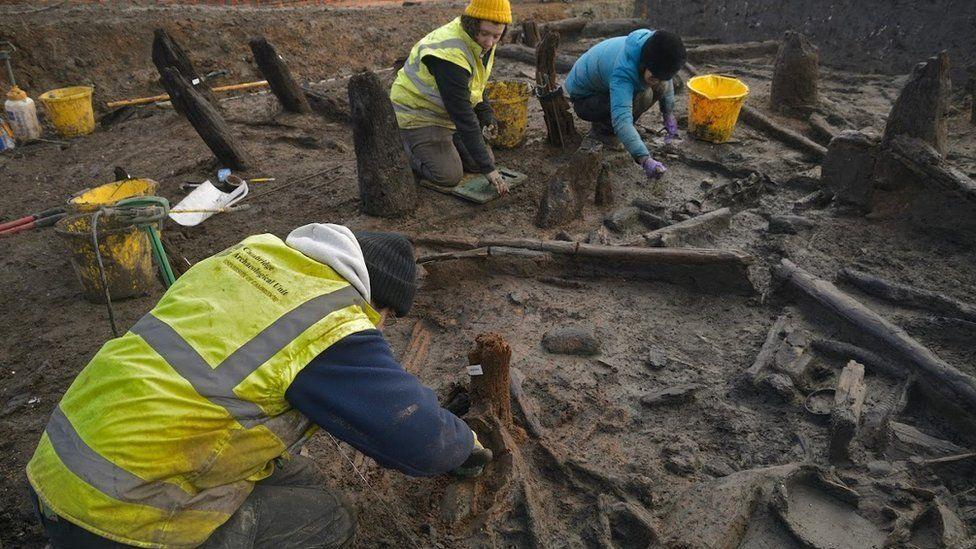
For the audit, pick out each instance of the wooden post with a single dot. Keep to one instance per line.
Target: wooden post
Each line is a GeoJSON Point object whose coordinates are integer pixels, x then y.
{"type": "Point", "coordinates": [920, 109]}
{"type": "Point", "coordinates": [555, 108]}
{"type": "Point", "coordinates": [490, 389]}
{"type": "Point", "coordinates": [846, 413]}
{"type": "Point", "coordinates": [206, 120]}
{"type": "Point", "coordinates": [166, 52]}
{"type": "Point", "coordinates": [569, 189]}
{"type": "Point", "coordinates": [386, 183]}
{"type": "Point", "coordinates": [279, 78]}
{"type": "Point", "coordinates": [530, 33]}
{"type": "Point", "coordinates": [525, 54]}
{"type": "Point", "coordinates": [795, 75]}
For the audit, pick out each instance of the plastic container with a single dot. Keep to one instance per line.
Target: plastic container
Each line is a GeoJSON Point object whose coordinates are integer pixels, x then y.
{"type": "Point", "coordinates": [70, 110]}
{"type": "Point", "coordinates": [713, 106]}
{"type": "Point", "coordinates": [125, 251]}
{"type": "Point", "coordinates": [6, 136]}
{"type": "Point", "coordinates": [90, 200]}
{"type": "Point", "coordinates": [208, 197]}
{"type": "Point", "coordinates": [510, 101]}
{"type": "Point", "coordinates": [22, 115]}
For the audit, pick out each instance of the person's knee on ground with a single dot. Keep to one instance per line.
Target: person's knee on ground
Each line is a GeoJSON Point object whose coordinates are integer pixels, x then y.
{"type": "Point", "coordinates": [433, 156]}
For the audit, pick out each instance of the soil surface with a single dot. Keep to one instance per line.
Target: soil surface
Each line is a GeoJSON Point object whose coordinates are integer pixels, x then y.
{"type": "Point", "coordinates": [609, 469]}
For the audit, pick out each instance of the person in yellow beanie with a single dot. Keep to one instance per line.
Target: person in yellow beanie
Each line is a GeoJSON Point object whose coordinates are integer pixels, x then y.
{"type": "Point", "coordinates": [444, 117]}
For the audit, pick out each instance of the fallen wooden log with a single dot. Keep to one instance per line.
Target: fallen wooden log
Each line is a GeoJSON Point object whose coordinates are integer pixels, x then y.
{"type": "Point", "coordinates": [949, 389]}
{"type": "Point", "coordinates": [925, 163]}
{"type": "Point", "coordinates": [846, 351]}
{"type": "Point", "coordinates": [710, 52]}
{"type": "Point", "coordinates": [560, 126]}
{"type": "Point", "coordinates": [709, 270]}
{"type": "Point", "coordinates": [765, 357]}
{"type": "Point", "coordinates": [565, 27]}
{"type": "Point", "coordinates": [279, 78]}
{"type": "Point", "coordinates": [525, 54]}
{"type": "Point", "coordinates": [680, 233]}
{"type": "Point", "coordinates": [207, 121]}
{"type": "Point", "coordinates": [909, 296]}
{"type": "Point", "coordinates": [766, 125]}
{"type": "Point", "coordinates": [845, 416]}
{"type": "Point", "coordinates": [522, 405]}
{"type": "Point", "coordinates": [612, 27]}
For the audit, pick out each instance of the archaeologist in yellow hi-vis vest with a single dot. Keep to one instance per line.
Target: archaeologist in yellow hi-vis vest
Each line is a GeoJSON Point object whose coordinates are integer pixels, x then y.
{"type": "Point", "coordinates": [438, 97]}
{"type": "Point", "coordinates": [186, 430]}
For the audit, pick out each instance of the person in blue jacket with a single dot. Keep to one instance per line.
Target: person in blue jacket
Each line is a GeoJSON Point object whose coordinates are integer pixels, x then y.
{"type": "Point", "coordinates": [617, 80]}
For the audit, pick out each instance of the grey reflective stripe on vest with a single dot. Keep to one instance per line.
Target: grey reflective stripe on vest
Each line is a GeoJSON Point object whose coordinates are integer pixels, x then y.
{"type": "Point", "coordinates": [412, 69]}
{"type": "Point", "coordinates": [217, 384]}
{"type": "Point", "coordinates": [116, 482]}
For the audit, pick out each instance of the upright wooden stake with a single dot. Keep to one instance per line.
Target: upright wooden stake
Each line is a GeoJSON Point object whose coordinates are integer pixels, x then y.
{"type": "Point", "coordinates": [166, 52]}
{"type": "Point", "coordinates": [795, 75]}
{"type": "Point", "coordinates": [530, 33]}
{"type": "Point", "coordinates": [845, 417]}
{"type": "Point", "coordinates": [206, 120]}
{"type": "Point", "coordinates": [920, 109]}
{"type": "Point", "coordinates": [555, 107]}
{"type": "Point", "coordinates": [490, 389]}
{"type": "Point", "coordinates": [386, 183]}
{"type": "Point", "coordinates": [279, 78]}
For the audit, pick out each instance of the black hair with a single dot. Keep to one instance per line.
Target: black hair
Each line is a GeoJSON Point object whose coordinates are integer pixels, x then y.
{"type": "Point", "coordinates": [663, 54]}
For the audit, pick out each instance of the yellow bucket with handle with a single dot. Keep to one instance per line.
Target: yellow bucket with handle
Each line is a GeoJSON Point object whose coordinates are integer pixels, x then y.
{"type": "Point", "coordinates": [714, 103]}
{"type": "Point", "coordinates": [70, 110]}
{"type": "Point", "coordinates": [510, 102]}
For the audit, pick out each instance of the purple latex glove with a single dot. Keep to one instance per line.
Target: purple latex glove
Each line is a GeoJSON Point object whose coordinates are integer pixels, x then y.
{"type": "Point", "coordinates": [671, 125]}
{"type": "Point", "coordinates": [652, 168]}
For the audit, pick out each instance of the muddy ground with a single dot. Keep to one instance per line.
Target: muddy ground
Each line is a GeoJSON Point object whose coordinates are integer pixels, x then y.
{"type": "Point", "coordinates": [652, 335]}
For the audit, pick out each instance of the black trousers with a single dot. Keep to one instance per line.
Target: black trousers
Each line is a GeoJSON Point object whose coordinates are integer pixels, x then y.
{"type": "Point", "coordinates": [293, 508]}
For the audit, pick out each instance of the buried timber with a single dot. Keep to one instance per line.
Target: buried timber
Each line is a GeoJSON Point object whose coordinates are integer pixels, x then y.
{"type": "Point", "coordinates": [770, 346]}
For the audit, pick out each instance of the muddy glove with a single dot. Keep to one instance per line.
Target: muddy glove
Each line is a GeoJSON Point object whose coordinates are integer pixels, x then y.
{"type": "Point", "coordinates": [671, 125]}
{"type": "Point", "coordinates": [489, 132]}
{"type": "Point", "coordinates": [652, 168]}
{"type": "Point", "coordinates": [475, 464]}
{"type": "Point", "coordinates": [496, 180]}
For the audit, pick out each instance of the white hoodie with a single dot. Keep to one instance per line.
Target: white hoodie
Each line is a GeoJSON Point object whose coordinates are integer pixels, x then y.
{"type": "Point", "coordinates": [335, 246]}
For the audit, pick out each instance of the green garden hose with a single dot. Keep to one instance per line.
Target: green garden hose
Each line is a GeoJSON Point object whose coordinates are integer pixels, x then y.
{"type": "Point", "coordinates": [145, 212]}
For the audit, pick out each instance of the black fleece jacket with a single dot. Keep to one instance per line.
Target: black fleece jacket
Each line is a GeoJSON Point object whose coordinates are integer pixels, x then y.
{"type": "Point", "coordinates": [453, 83]}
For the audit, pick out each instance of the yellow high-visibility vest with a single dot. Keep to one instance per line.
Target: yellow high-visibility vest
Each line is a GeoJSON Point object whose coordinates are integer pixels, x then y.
{"type": "Point", "coordinates": [161, 437]}
{"type": "Point", "coordinates": [416, 100]}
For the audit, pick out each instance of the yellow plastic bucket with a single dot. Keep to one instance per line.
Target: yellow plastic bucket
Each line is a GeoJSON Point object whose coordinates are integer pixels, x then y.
{"type": "Point", "coordinates": [713, 106]}
{"type": "Point", "coordinates": [126, 257]}
{"type": "Point", "coordinates": [70, 110]}
{"type": "Point", "coordinates": [510, 101]}
{"type": "Point", "coordinates": [90, 200]}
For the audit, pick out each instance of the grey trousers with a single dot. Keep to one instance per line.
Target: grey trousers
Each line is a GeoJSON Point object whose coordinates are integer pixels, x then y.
{"type": "Point", "coordinates": [437, 155]}
{"type": "Point", "coordinates": [292, 508]}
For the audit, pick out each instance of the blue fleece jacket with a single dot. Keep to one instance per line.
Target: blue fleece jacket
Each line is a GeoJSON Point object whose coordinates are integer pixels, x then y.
{"type": "Point", "coordinates": [613, 67]}
{"type": "Point", "coordinates": [358, 392]}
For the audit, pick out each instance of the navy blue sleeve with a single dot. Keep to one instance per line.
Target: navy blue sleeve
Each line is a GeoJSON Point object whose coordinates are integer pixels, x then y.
{"type": "Point", "coordinates": [358, 392]}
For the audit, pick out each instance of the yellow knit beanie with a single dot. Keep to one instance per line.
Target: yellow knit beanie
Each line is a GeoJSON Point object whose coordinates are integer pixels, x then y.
{"type": "Point", "coordinates": [497, 11]}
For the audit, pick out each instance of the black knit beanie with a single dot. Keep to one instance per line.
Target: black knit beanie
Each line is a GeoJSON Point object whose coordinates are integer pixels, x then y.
{"type": "Point", "coordinates": [663, 54]}
{"type": "Point", "coordinates": [391, 268]}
